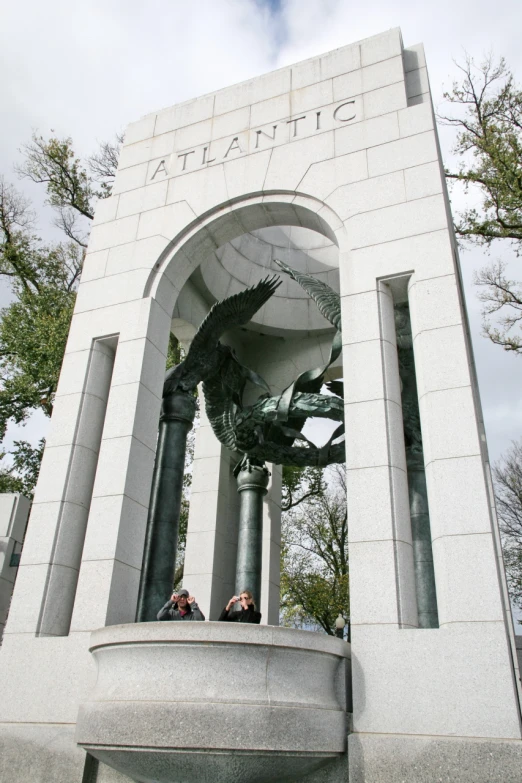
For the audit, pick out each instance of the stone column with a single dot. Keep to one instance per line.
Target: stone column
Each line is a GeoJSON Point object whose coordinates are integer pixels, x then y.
{"type": "Point", "coordinates": [49, 571]}
{"type": "Point", "coordinates": [112, 556]}
{"type": "Point", "coordinates": [161, 541]}
{"type": "Point", "coordinates": [377, 486]}
{"type": "Point", "coordinates": [211, 551]}
{"type": "Point", "coordinates": [268, 603]}
{"type": "Point", "coordinates": [252, 484]}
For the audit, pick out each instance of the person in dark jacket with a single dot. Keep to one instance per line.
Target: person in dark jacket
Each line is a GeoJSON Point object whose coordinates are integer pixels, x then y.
{"type": "Point", "coordinates": [181, 606]}
{"type": "Point", "coordinates": [247, 614]}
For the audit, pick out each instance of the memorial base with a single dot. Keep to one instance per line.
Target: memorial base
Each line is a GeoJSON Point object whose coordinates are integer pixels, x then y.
{"type": "Point", "coordinates": [385, 758]}
{"type": "Point", "coordinates": [40, 753]}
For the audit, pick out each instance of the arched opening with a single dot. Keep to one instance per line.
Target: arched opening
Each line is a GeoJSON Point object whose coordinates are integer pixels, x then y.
{"type": "Point", "coordinates": [224, 254]}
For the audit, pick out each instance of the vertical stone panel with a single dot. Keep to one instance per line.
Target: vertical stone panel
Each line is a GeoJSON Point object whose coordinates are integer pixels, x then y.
{"type": "Point", "coordinates": [111, 561]}
{"type": "Point", "coordinates": [368, 318]}
{"type": "Point", "coordinates": [209, 572]}
{"type": "Point", "coordinates": [65, 489]}
{"type": "Point", "coordinates": [270, 576]}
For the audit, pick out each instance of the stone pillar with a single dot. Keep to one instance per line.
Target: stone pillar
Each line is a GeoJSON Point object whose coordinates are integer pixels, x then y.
{"type": "Point", "coordinates": [252, 484]}
{"type": "Point", "coordinates": [49, 571]}
{"type": "Point", "coordinates": [377, 486]}
{"type": "Point", "coordinates": [466, 573]}
{"type": "Point", "coordinates": [268, 603]}
{"type": "Point", "coordinates": [112, 556]}
{"type": "Point", "coordinates": [210, 554]}
{"type": "Point", "coordinates": [161, 541]}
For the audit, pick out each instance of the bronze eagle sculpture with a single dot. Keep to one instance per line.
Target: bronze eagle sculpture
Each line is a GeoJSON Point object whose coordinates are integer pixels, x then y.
{"type": "Point", "coordinates": [207, 357]}
{"type": "Point", "coordinates": [269, 428]}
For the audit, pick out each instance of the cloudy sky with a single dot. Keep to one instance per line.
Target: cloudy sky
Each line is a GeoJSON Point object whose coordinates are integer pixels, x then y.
{"type": "Point", "coordinates": [86, 70]}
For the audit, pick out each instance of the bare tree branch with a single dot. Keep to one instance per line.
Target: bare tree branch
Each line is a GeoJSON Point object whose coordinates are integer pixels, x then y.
{"type": "Point", "coordinates": [507, 474]}
{"type": "Point", "coordinates": [67, 221]}
{"type": "Point", "coordinates": [488, 116]}
{"type": "Point", "coordinates": [314, 578]}
{"type": "Point", "coordinates": [104, 163]}
{"type": "Point", "coordinates": [487, 113]}
{"type": "Point", "coordinates": [499, 294]}
{"type": "Point", "coordinates": [53, 164]}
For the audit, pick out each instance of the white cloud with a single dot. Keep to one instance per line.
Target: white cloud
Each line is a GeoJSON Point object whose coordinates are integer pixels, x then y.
{"type": "Point", "coordinates": [88, 72]}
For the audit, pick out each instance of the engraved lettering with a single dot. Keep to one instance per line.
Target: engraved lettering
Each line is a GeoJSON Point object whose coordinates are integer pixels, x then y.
{"type": "Point", "coordinates": [161, 167]}
{"type": "Point", "coordinates": [344, 112]}
{"type": "Point", "coordinates": [343, 119]}
{"type": "Point", "coordinates": [205, 157]}
{"type": "Point", "coordinates": [185, 155]}
{"type": "Point", "coordinates": [259, 132]}
{"type": "Point", "coordinates": [234, 145]}
{"type": "Point", "coordinates": [295, 123]}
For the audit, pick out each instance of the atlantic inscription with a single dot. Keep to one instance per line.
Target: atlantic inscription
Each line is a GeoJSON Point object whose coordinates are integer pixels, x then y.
{"type": "Point", "coordinates": [256, 139]}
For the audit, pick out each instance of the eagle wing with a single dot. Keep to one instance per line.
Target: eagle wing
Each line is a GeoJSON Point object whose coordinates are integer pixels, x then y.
{"type": "Point", "coordinates": [236, 310]}
{"type": "Point", "coordinates": [326, 299]}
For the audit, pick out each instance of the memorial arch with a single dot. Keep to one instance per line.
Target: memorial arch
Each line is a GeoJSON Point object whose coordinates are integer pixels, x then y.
{"type": "Point", "coordinates": [333, 166]}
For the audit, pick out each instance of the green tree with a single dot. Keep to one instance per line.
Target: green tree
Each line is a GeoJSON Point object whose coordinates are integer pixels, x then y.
{"type": "Point", "coordinates": [43, 279]}
{"type": "Point", "coordinates": [314, 557]}
{"type": "Point", "coordinates": [185, 506]}
{"type": "Point", "coordinates": [72, 186]}
{"type": "Point", "coordinates": [300, 484]}
{"type": "Point", "coordinates": [507, 474]}
{"type": "Point", "coordinates": [34, 328]}
{"type": "Point", "coordinates": [486, 111]}
{"type": "Point", "coordinates": [22, 474]}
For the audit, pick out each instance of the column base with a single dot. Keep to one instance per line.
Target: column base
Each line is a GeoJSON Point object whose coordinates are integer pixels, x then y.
{"type": "Point", "coordinates": [389, 758]}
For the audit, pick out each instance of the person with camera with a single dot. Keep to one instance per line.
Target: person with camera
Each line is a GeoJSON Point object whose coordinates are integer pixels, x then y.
{"type": "Point", "coordinates": [181, 606]}
{"type": "Point", "coordinates": [247, 613]}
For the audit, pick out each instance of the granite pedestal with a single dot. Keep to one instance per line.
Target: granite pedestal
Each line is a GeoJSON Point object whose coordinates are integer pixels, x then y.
{"type": "Point", "coordinates": [215, 702]}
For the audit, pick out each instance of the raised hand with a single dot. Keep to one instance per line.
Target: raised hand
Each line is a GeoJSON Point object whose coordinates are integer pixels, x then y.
{"type": "Point", "coordinates": [191, 599]}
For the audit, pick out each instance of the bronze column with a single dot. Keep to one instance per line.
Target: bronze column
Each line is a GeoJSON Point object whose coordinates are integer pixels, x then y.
{"type": "Point", "coordinates": [252, 483]}
{"type": "Point", "coordinates": [161, 539]}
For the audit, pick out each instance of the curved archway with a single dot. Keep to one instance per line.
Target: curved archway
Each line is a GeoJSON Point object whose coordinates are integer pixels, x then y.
{"type": "Point", "coordinates": [226, 222]}
{"type": "Point", "coordinates": [279, 356]}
